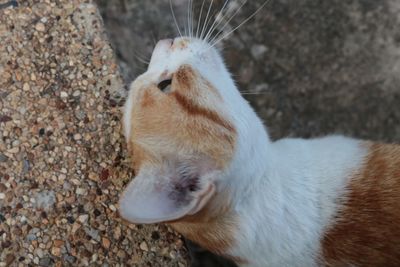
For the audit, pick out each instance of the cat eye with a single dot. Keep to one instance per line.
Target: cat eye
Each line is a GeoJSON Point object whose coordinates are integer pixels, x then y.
{"type": "Point", "coordinates": [165, 85]}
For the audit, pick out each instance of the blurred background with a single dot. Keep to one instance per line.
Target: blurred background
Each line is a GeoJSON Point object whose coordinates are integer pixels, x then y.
{"type": "Point", "coordinates": [310, 67]}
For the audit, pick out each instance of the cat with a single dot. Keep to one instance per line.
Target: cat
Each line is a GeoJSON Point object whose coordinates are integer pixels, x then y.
{"type": "Point", "coordinates": [206, 166]}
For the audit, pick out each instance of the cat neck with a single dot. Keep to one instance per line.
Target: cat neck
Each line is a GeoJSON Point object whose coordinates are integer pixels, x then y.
{"type": "Point", "coordinates": [253, 151]}
{"type": "Point", "coordinates": [284, 193]}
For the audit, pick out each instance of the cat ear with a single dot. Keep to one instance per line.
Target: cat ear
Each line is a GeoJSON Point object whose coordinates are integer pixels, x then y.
{"type": "Point", "coordinates": [160, 199]}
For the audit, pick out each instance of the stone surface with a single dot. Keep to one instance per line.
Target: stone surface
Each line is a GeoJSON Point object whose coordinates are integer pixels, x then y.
{"type": "Point", "coordinates": [62, 154]}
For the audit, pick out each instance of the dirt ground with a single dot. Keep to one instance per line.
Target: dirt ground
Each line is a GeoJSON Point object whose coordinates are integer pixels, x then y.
{"type": "Point", "coordinates": [309, 68]}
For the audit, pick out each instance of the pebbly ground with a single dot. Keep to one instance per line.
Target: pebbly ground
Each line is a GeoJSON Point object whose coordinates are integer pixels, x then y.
{"type": "Point", "coordinates": [62, 154]}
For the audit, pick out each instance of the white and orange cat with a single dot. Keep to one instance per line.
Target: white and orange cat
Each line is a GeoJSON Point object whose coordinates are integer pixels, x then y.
{"type": "Point", "coordinates": [206, 166]}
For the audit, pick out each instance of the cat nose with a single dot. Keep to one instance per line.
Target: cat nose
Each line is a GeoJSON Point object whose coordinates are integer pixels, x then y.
{"type": "Point", "coordinates": [162, 49]}
{"type": "Point", "coordinates": [165, 43]}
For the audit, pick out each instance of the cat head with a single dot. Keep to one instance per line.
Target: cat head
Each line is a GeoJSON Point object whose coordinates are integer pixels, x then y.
{"type": "Point", "coordinates": [180, 127]}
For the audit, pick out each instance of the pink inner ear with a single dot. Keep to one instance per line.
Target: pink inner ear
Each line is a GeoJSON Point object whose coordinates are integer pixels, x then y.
{"type": "Point", "coordinates": [203, 198]}
{"type": "Point", "coordinates": [144, 202]}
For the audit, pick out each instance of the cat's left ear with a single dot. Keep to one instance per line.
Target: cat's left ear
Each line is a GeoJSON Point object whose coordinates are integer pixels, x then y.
{"type": "Point", "coordinates": [154, 197]}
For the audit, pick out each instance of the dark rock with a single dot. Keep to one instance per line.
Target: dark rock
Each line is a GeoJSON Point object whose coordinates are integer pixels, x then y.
{"type": "Point", "coordinates": [41, 131]}
{"type": "Point", "coordinates": [9, 259]}
{"type": "Point", "coordinates": [155, 235]}
{"type": "Point", "coordinates": [5, 118]}
{"type": "Point", "coordinates": [70, 259]}
{"type": "Point", "coordinates": [45, 262]}
{"type": "Point", "coordinates": [96, 212]}
{"type": "Point", "coordinates": [3, 158]}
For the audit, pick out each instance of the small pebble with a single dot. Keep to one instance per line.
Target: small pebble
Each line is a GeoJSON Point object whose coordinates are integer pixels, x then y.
{"type": "Point", "coordinates": [105, 242]}
{"type": "Point", "coordinates": [143, 246]}
{"type": "Point", "coordinates": [172, 254]}
{"type": "Point", "coordinates": [93, 233]}
{"type": "Point", "coordinates": [83, 218]}
{"type": "Point", "coordinates": [3, 158]}
{"type": "Point", "coordinates": [58, 243]}
{"type": "Point", "coordinates": [26, 87]}
{"type": "Point", "coordinates": [77, 136]}
{"type": "Point", "coordinates": [40, 27]}
{"type": "Point", "coordinates": [3, 187]}
{"type": "Point", "coordinates": [64, 94]}
{"type": "Point", "coordinates": [9, 259]}
{"type": "Point", "coordinates": [75, 227]}
{"type": "Point", "coordinates": [45, 262]}
{"type": "Point", "coordinates": [80, 191]}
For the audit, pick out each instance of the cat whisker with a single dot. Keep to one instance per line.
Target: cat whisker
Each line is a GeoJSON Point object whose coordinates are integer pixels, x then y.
{"type": "Point", "coordinates": [188, 18]}
{"type": "Point", "coordinates": [227, 22]}
{"type": "Point", "coordinates": [141, 59]}
{"type": "Point", "coordinates": [192, 18]}
{"type": "Point", "coordinates": [213, 17]}
{"type": "Point", "coordinates": [140, 68]}
{"type": "Point", "coordinates": [214, 25]}
{"type": "Point", "coordinates": [154, 38]}
{"type": "Point", "coordinates": [241, 24]}
{"type": "Point", "coordinates": [173, 15]}
{"type": "Point", "coordinates": [199, 21]}
{"type": "Point", "coordinates": [254, 93]}
{"type": "Point", "coordinates": [205, 22]}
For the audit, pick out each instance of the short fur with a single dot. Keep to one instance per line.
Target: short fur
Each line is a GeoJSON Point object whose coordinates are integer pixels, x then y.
{"type": "Point", "coordinates": [206, 165]}
{"type": "Point", "coordinates": [367, 231]}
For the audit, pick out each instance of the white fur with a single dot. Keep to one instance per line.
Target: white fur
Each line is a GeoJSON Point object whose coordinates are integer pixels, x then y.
{"type": "Point", "coordinates": [289, 196]}
{"type": "Point", "coordinates": [127, 115]}
{"type": "Point", "coordinates": [286, 192]}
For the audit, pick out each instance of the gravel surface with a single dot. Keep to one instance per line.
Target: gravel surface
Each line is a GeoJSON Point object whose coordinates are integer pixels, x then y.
{"type": "Point", "coordinates": [62, 154]}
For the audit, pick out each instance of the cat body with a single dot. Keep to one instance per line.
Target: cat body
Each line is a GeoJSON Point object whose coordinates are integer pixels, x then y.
{"type": "Point", "coordinates": [206, 166]}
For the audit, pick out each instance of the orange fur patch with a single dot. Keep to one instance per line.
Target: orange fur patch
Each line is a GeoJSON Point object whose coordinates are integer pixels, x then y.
{"type": "Point", "coordinates": [179, 120]}
{"type": "Point", "coordinates": [181, 44]}
{"type": "Point", "coordinates": [148, 100]}
{"type": "Point", "coordinates": [213, 227]}
{"type": "Point", "coordinates": [186, 78]}
{"type": "Point", "coordinates": [193, 109]}
{"type": "Point", "coordinates": [367, 230]}
{"type": "Point", "coordinates": [140, 156]}
{"type": "Point", "coordinates": [198, 128]}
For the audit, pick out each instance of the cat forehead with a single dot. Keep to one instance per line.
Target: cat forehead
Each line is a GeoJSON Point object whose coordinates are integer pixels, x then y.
{"type": "Point", "coordinates": [170, 54]}
{"type": "Point", "coordinates": [192, 115]}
